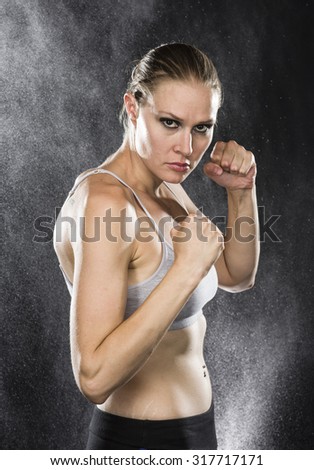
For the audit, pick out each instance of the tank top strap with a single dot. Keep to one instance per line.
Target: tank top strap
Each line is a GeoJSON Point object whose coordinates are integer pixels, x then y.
{"type": "Point", "coordinates": [90, 172]}
{"type": "Point", "coordinates": [180, 201]}
{"type": "Point", "coordinates": [101, 170]}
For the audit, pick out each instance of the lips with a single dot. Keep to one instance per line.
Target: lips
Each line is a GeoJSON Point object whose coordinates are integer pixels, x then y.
{"type": "Point", "coordinates": [178, 166]}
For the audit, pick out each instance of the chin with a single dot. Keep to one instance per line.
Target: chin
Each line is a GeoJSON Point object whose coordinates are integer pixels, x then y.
{"type": "Point", "coordinates": [177, 177]}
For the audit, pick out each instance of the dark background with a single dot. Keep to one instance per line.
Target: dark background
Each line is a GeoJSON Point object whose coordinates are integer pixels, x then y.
{"type": "Point", "coordinates": [66, 68]}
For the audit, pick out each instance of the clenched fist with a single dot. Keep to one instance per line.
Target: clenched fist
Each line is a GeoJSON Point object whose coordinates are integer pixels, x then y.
{"type": "Point", "coordinates": [231, 166]}
{"type": "Point", "coordinates": [197, 243]}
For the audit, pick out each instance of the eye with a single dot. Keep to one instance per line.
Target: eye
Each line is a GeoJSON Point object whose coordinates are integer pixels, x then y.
{"type": "Point", "coordinates": [203, 128]}
{"type": "Point", "coordinates": [169, 123]}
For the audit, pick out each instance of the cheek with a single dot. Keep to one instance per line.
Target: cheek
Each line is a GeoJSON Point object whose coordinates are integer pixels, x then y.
{"type": "Point", "coordinates": [150, 141]}
{"type": "Point", "coordinates": [158, 141]}
{"type": "Point", "coordinates": [201, 144]}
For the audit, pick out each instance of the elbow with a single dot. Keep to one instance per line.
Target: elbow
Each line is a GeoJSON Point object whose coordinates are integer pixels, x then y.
{"type": "Point", "coordinates": [92, 388]}
{"type": "Point", "coordinates": [245, 284]}
{"type": "Point", "coordinates": [92, 392]}
{"type": "Point", "coordinates": [244, 287]}
{"type": "Point", "coordinates": [94, 379]}
{"type": "Point", "coordinates": [240, 285]}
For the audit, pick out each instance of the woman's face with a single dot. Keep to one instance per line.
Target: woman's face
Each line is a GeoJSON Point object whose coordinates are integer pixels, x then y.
{"type": "Point", "coordinates": [174, 128]}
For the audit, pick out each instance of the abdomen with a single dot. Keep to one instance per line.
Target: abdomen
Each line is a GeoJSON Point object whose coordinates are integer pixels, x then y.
{"type": "Point", "coordinates": [173, 383]}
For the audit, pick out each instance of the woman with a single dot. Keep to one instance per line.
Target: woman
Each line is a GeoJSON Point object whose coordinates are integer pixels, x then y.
{"type": "Point", "coordinates": [137, 327]}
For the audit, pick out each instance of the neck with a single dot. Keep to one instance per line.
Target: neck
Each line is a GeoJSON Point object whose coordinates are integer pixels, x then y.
{"type": "Point", "coordinates": [131, 167]}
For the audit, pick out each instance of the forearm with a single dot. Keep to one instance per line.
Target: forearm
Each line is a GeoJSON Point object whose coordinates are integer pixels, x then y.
{"type": "Point", "coordinates": [242, 248]}
{"type": "Point", "coordinates": [128, 347]}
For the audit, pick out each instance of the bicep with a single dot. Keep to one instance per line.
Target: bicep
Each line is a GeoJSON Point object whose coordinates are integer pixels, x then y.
{"type": "Point", "coordinates": [224, 278]}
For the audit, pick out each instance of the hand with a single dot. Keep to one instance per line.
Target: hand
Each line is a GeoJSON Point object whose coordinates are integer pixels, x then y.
{"type": "Point", "coordinates": [231, 166]}
{"type": "Point", "coordinates": [197, 243]}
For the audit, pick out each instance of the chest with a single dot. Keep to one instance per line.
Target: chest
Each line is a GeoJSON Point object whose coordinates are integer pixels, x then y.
{"type": "Point", "coordinates": [164, 210]}
{"type": "Point", "coordinates": [149, 252]}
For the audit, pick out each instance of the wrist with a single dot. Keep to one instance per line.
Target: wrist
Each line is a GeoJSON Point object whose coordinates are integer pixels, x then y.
{"type": "Point", "coordinates": [241, 192]}
{"type": "Point", "coordinates": [242, 203]}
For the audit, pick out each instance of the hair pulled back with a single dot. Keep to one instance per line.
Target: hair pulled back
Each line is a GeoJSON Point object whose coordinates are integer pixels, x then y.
{"type": "Point", "coordinates": [177, 61]}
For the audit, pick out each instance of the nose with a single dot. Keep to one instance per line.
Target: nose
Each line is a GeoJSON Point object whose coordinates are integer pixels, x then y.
{"type": "Point", "coordinates": [184, 144]}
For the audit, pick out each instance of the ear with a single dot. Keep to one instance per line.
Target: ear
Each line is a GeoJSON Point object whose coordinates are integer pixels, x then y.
{"type": "Point", "coordinates": [131, 106]}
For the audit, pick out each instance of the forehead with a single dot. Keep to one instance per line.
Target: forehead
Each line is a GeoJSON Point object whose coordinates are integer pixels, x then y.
{"type": "Point", "coordinates": [185, 99]}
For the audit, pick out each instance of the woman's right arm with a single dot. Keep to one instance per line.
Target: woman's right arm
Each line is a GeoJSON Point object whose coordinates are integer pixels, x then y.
{"type": "Point", "coordinates": [106, 349]}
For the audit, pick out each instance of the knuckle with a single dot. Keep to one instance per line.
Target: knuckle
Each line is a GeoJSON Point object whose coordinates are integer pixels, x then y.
{"type": "Point", "coordinates": [232, 143]}
{"type": "Point", "coordinates": [218, 149]}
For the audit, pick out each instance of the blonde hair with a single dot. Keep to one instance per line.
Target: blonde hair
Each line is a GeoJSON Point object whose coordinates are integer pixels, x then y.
{"type": "Point", "coordinates": [177, 61]}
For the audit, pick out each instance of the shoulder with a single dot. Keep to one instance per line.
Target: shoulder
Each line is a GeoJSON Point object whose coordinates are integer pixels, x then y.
{"type": "Point", "coordinates": [101, 203]}
{"type": "Point", "coordinates": [99, 192]}
{"type": "Point", "coordinates": [105, 215]}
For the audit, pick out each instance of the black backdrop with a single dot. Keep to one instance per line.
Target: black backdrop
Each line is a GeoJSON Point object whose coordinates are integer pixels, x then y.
{"type": "Point", "coordinates": [66, 65]}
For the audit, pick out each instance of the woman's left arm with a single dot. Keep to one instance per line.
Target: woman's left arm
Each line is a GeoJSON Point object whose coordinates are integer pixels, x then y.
{"type": "Point", "coordinates": [234, 168]}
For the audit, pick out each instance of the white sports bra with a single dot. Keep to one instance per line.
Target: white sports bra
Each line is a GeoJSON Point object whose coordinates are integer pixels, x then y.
{"type": "Point", "coordinates": [137, 293]}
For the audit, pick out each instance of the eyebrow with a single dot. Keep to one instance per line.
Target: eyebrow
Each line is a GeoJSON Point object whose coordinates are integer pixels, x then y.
{"type": "Point", "coordinates": [209, 121]}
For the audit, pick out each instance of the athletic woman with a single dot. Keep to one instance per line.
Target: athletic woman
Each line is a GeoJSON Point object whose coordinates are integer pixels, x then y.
{"type": "Point", "coordinates": [143, 260]}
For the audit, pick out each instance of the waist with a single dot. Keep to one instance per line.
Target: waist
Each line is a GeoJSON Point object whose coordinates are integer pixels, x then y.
{"type": "Point", "coordinates": [103, 417]}
{"type": "Point", "coordinates": [173, 383]}
{"type": "Point", "coordinates": [167, 398]}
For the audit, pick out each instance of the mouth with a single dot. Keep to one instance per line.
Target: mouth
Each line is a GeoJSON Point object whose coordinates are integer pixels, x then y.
{"type": "Point", "coordinates": [178, 166]}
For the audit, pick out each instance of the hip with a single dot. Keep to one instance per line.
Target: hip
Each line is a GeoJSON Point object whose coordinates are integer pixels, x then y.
{"type": "Point", "coordinates": [109, 431]}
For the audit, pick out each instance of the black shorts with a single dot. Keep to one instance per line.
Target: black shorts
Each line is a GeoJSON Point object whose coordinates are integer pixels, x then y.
{"type": "Point", "coordinates": [108, 431]}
